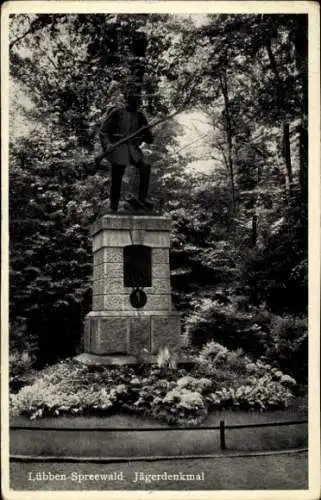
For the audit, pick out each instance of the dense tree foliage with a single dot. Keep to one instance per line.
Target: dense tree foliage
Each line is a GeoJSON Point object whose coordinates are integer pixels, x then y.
{"type": "Point", "coordinates": [240, 231]}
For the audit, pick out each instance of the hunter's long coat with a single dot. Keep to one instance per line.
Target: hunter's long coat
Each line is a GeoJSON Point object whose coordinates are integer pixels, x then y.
{"type": "Point", "coordinates": [120, 123]}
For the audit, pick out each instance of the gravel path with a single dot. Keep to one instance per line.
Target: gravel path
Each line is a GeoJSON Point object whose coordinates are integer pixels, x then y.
{"type": "Point", "coordinates": [288, 471]}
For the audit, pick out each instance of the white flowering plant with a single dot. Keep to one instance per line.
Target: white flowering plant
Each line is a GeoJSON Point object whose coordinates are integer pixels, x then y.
{"type": "Point", "coordinates": [258, 394]}
{"type": "Point", "coordinates": [220, 379]}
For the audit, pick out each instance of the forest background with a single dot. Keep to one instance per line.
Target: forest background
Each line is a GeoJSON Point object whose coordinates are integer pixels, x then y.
{"type": "Point", "coordinates": [239, 242]}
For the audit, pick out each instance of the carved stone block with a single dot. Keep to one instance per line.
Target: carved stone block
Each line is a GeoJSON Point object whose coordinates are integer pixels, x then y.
{"type": "Point", "coordinates": [165, 331]}
{"type": "Point", "coordinates": [160, 256]}
{"type": "Point", "coordinates": [98, 302]}
{"type": "Point", "coordinates": [113, 336]}
{"type": "Point", "coordinates": [160, 271]}
{"type": "Point", "coordinates": [139, 335]}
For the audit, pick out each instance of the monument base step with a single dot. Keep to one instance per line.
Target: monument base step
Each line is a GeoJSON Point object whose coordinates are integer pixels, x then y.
{"type": "Point", "coordinates": [120, 359]}
{"type": "Point", "coordinates": [116, 359]}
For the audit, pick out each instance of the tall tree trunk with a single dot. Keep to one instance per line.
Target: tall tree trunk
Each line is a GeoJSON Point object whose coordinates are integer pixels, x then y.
{"type": "Point", "coordinates": [228, 129]}
{"type": "Point", "coordinates": [286, 126]}
{"type": "Point", "coordinates": [254, 230]}
{"type": "Point", "coordinates": [137, 70]}
{"type": "Point", "coordinates": [303, 176]}
{"type": "Point", "coordinates": [300, 40]}
{"type": "Point", "coordinates": [287, 155]}
{"type": "Point", "coordinates": [137, 63]}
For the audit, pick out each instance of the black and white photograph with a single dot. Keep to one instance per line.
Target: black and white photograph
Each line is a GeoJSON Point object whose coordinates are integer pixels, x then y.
{"type": "Point", "coordinates": [157, 236]}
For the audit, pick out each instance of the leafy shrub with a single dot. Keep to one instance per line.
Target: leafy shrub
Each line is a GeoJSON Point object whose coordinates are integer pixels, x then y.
{"type": "Point", "coordinates": [229, 325]}
{"type": "Point", "coordinates": [258, 394]}
{"type": "Point", "coordinates": [70, 388]}
{"type": "Point", "coordinates": [243, 383]}
{"type": "Point", "coordinates": [50, 264]}
{"type": "Point", "coordinates": [179, 398]}
{"type": "Point", "coordinates": [187, 406]}
{"type": "Point", "coordinates": [20, 363]}
{"type": "Point", "coordinates": [183, 401]}
{"type": "Point", "coordinates": [290, 345]}
{"type": "Point", "coordinates": [193, 383]}
{"type": "Point", "coordinates": [42, 399]}
{"type": "Point", "coordinates": [234, 367]}
{"type": "Point", "coordinates": [282, 340]}
{"type": "Point", "coordinates": [20, 369]}
{"type": "Point", "coordinates": [20, 339]}
{"type": "Point", "coordinates": [221, 365]}
{"type": "Point", "coordinates": [277, 273]}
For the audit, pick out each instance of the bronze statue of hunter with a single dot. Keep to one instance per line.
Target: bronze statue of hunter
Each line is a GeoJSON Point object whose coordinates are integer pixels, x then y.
{"type": "Point", "coordinates": [121, 122]}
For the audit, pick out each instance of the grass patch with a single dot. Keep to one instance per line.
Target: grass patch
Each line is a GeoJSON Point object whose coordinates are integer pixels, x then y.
{"type": "Point", "coordinates": [161, 443]}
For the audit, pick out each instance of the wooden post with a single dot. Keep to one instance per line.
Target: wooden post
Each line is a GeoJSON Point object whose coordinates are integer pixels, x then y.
{"type": "Point", "coordinates": [222, 435]}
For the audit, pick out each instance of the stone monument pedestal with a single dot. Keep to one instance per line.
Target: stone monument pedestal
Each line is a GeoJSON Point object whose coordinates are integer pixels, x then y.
{"type": "Point", "coordinates": [132, 317]}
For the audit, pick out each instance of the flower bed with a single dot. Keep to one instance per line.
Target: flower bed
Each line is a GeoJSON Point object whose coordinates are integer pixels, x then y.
{"type": "Point", "coordinates": [220, 379]}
